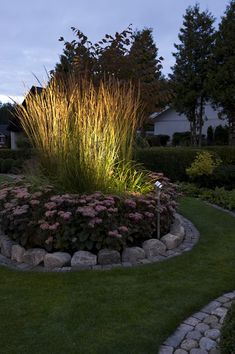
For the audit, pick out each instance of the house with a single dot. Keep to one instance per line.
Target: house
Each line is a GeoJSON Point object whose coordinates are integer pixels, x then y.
{"type": "Point", "coordinates": [168, 121]}
{"type": "Point", "coordinates": [4, 136]}
{"type": "Point", "coordinates": [14, 127]}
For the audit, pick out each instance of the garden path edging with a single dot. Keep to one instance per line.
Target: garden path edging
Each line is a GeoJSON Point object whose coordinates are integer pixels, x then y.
{"type": "Point", "coordinates": [200, 333]}
{"type": "Point", "coordinates": [191, 237]}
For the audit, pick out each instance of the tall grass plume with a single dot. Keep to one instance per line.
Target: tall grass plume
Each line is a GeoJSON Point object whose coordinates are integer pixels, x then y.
{"type": "Point", "coordinates": [85, 134]}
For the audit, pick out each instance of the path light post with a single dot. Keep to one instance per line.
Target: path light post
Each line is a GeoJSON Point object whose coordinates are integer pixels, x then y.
{"type": "Point", "coordinates": [158, 187]}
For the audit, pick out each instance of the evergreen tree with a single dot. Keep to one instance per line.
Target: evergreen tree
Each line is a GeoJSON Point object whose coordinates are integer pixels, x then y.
{"type": "Point", "coordinates": [146, 71]}
{"type": "Point", "coordinates": [223, 69]}
{"type": "Point", "coordinates": [190, 72]}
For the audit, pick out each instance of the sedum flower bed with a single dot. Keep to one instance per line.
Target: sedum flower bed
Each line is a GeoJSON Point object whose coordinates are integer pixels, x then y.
{"type": "Point", "coordinates": [72, 222]}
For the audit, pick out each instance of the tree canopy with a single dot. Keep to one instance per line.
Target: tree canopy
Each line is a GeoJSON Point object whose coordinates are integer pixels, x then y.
{"type": "Point", "coordinates": [190, 72]}
{"type": "Point", "coordinates": [222, 73]}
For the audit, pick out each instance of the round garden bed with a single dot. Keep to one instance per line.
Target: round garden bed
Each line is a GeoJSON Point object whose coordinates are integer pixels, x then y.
{"type": "Point", "coordinates": [87, 230]}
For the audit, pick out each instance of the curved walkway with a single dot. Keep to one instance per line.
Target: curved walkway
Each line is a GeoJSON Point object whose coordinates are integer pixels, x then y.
{"type": "Point", "coordinates": [200, 333]}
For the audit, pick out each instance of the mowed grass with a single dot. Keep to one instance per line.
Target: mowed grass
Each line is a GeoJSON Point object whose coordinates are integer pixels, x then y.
{"type": "Point", "coordinates": [123, 310]}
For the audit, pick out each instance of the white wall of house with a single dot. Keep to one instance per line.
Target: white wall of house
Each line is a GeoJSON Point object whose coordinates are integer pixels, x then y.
{"type": "Point", "coordinates": [169, 121]}
{"type": "Point", "coordinates": [15, 136]}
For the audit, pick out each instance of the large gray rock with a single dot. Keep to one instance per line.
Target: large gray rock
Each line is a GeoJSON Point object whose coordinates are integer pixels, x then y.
{"type": "Point", "coordinates": [17, 253]}
{"type": "Point", "coordinates": [34, 256]}
{"type": "Point", "coordinates": [2, 237]}
{"type": "Point", "coordinates": [154, 247]}
{"type": "Point", "coordinates": [171, 241]}
{"type": "Point", "coordinates": [57, 260]}
{"type": "Point", "coordinates": [189, 344]}
{"type": "Point", "coordinates": [133, 254]}
{"type": "Point", "coordinates": [178, 230]}
{"type": "Point", "coordinates": [106, 256]}
{"type": "Point", "coordinates": [207, 343]}
{"type": "Point", "coordinates": [6, 246]}
{"type": "Point", "coordinates": [83, 258]}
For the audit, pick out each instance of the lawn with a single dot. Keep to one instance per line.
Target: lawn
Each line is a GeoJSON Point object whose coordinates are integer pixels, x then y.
{"type": "Point", "coordinates": [123, 310]}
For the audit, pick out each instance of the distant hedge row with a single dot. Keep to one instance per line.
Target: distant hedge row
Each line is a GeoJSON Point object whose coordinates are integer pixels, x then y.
{"type": "Point", "coordinates": [11, 161]}
{"type": "Point", "coordinates": [173, 161]}
{"type": "Point", "coordinates": [23, 154]}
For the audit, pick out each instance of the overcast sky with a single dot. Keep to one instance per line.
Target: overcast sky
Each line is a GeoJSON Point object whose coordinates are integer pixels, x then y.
{"type": "Point", "coordinates": [29, 31]}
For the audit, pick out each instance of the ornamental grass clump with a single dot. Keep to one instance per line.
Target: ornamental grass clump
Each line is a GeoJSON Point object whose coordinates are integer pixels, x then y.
{"type": "Point", "coordinates": [84, 134]}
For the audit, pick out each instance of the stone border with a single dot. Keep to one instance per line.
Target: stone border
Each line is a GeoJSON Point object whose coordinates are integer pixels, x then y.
{"type": "Point", "coordinates": [182, 237]}
{"type": "Point", "coordinates": [200, 333]}
{"type": "Point", "coordinates": [230, 212]}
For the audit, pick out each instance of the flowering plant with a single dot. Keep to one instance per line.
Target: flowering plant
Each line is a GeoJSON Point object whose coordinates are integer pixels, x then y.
{"type": "Point", "coordinates": [71, 222]}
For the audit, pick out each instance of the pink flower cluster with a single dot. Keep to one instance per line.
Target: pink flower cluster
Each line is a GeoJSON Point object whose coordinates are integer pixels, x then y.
{"type": "Point", "coordinates": [135, 216]}
{"type": "Point", "coordinates": [108, 220]}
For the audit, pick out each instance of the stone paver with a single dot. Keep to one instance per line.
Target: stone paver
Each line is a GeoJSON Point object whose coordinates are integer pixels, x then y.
{"type": "Point", "coordinates": [200, 333]}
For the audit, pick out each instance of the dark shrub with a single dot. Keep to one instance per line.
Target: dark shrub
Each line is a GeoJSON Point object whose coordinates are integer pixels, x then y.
{"type": "Point", "coordinates": [221, 135]}
{"type": "Point", "coordinates": [223, 176]}
{"type": "Point", "coordinates": [158, 140]}
{"type": "Point", "coordinates": [210, 135]}
{"type": "Point", "coordinates": [173, 161]}
{"type": "Point", "coordinates": [10, 165]}
{"type": "Point", "coordinates": [227, 343]}
{"type": "Point", "coordinates": [182, 139]}
{"type": "Point", "coordinates": [16, 154]}
{"type": "Point", "coordinates": [226, 153]}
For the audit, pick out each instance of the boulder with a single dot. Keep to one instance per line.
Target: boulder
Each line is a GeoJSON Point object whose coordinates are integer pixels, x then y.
{"type": "Point", "coordinates": [106, 256]}
{"type": "Point", "coordinates": [6, 246]}
{"type": "Point", "coordinates": [133, 254]}
{"type": "Point", "coordinates": [17, 253]}
{"type": "Point", "coordinates": [154, 247]}
{"type": "Point", "coordinates": [57, 260]}
{"type": "Point", "coordinates": [34, 256]}
{"type": "Point", "coordinates": [177, 230]}
{"type": "Point", "coordinates": [171, 241]}
{"type": "Point", "coordinates": [83, 258]}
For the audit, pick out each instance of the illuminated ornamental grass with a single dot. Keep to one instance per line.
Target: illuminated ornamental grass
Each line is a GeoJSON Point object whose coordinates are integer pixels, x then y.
{"type": "Point", "coordinates": [85, 135]}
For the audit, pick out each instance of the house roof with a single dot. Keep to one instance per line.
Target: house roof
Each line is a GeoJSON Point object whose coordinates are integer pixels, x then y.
{"type": "Point", "coordinates": [156, 115]}
{"type": "Point", "coordinates": [14, 124]}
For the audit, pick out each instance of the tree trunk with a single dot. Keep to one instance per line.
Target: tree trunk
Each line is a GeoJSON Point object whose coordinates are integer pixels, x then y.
{"type": "Point", "coordinates": [193, 129]}
{"type": "Point", "coordinates": [200, 123]}
{"type": "Point", "coordinates": [232, 128]}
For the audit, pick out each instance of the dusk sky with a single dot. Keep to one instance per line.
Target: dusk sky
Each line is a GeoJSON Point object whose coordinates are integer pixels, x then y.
{"type": "Point", "coordinates": [29, 31]}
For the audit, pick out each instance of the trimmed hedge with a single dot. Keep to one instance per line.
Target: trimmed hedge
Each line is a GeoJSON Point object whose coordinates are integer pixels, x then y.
{"type": "Point", "coordinates": [227, 343]}
{"type": "Point", "coordinates": [173, 161]}
{"type": "Point", "coordinates": [22, 154]}
{"type": "Point", "coordinates": [10, 165]}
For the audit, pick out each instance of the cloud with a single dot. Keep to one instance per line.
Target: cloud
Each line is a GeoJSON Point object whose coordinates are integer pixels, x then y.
{"type": "Point", "coordinates": [29, 31]}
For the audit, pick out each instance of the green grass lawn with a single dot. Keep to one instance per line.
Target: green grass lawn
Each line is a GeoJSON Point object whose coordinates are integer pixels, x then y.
{"type": "Point", "coordinates": [123, 310]}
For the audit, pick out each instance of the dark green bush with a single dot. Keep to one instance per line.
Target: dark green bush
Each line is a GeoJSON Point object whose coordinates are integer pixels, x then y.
{"type": "Point", "coordinates": [22, 154]}
{"type": "Point", "coordinates": [223, 176]}
{"type": "Point", "coordinates": [158, 140]}
{"type": "Point", "coordinates": [221, 135]}
{"type": "Point", "coordinates": [226, 153]}
{"type": "Point", "coordinates": [210, 135]}
{"type": "Point", "coordinates": [182, 139]}
{"type": "Point", "coordinates": [172, 161]}
{"type": "Point", "coordinates": [10, 165]}
{"type": "Point", "coordinates": [227, 343]}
